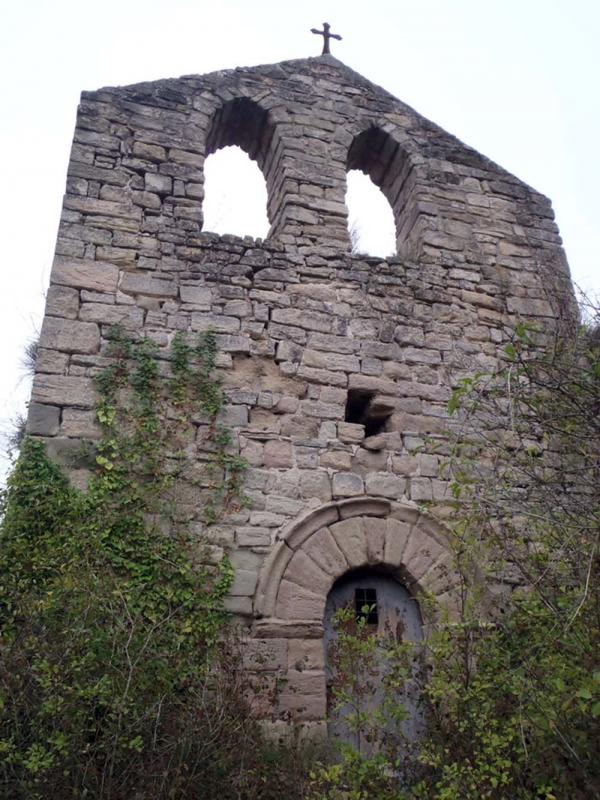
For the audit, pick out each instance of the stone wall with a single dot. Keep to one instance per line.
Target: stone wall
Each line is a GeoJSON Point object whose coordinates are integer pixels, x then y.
{"type": "Point", "coordinates": [337, 366]}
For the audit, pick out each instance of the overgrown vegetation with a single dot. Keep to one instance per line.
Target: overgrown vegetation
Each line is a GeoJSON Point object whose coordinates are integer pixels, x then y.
{"type": "Point", "coordinates": [119, 675]}
{"type": "Point", "coordinates": [512, 698]}
{"type": "Point", "coordinates": [118, 678]}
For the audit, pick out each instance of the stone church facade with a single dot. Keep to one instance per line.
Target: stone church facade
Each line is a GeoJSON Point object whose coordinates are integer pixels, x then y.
{"type": "Point", "coordinates": [338, 367]}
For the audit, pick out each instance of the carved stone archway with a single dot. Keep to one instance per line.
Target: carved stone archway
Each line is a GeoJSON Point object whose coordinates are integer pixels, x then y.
{"type": "Point", "coordinates": [309, 556]}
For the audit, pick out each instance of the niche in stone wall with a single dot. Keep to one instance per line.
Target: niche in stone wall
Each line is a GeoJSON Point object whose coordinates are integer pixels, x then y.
{"type": "Point", "coordinates": [238, 150]}
{"type": "Point", "coordinates": [377, 171]}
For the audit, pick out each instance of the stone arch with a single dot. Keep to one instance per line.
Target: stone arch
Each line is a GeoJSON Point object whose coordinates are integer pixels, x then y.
{"type": "Point", "coordinates": [377, 153]}
{"type": "Point", "coordinates": [245, 123]}
{"type": "Point", "coordinates": [287, 644]}
{"type": "Point", "coordinates": [326, 543]}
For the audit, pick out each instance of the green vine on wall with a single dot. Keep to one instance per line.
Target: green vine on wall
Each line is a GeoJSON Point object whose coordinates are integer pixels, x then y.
{"type": "Point", "coordinates": [110, 609]}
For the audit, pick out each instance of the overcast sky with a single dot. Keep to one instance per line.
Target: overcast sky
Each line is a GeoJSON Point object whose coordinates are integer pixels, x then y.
{"type": "Point", "coordinates": [516, 79]}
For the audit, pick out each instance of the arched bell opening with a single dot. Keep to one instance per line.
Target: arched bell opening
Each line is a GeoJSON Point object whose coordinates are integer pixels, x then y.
{"type": "Point", "coordinates": [385, 166]}
{"type": "Point", "coordinates": [238, 170]}
{"type": "Point", "coordinates": [235, 194]}
{"type": "Point", "coordinates": [371, 224]}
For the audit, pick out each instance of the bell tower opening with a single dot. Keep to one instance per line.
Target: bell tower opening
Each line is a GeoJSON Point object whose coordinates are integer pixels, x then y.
{"type": "Point", "coordinates": [370, 217]}
{"type": "Point", "coordinates": [238, 190]}
{"type": "Point", "coordinates": [235, 194]}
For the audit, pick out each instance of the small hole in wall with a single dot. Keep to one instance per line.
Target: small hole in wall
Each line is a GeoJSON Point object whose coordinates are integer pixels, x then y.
{"type": "Point", "coordinates": [362, 408]}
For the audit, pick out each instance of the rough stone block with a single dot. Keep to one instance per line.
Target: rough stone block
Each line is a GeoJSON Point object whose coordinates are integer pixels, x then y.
{"type": "Point", "coordinates": [43, 420]}
{"type": "Point", "coordinates": [70, 336]}
{"type": "Point", "coordinates": [297, 602]}
{"type": "Point", "coordinates": [303, 571]}
{"type": "Point", "coordinates": [98, 276]}
{"type": "Point", "coordinates": [349, 535]}
{"type": "Point", "coordinates": [323, 549]}
{"type": "Point", "coordinates": [265, 655]}
{"type": "Point", "coordinates": [385, 484]}
{"type": "Point", "coordinates": [139, 283]}
{"type": "Point", "coordinates": [196, 296]}
{"type": "Point", "coordinates": [278, 454]}
{"type": "Point", "coordinates": [303, 696]}
{"type": "Point", "coordinates": [244, 582]}
{"type": "Point", "coordinates": [161, 184]}
{"type": "Point", "coordinates": [79, 424]}
{"type": "Point", "coordinates": [51, 361]}
{"type": "Point", "coordinates": [62, 301]}
{"type": "Point", "coordinates": [315, 484]}
{"type": "Point", "coordinates": [64, 390]}
{"type": "Point", "coordinates": [347, 484]}
{"type": "Point", "coordinates": [253, 536]}
{"type": "Point", "coordinates": [396, 537]}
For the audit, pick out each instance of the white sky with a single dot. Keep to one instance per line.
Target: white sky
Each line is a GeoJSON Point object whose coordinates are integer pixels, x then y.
{"type": "Point", "coordinates": [516, 79]}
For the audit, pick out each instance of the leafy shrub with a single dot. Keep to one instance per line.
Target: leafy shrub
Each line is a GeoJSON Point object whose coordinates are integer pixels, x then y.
{"type": "Point", "coordinates": [119, 676]}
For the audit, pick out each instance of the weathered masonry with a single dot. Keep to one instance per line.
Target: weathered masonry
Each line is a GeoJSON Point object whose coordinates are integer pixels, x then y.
{"type": "Point", "coordinates": [338, 366]}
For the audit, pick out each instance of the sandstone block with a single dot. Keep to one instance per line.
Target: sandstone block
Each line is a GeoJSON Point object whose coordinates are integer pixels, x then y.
{"type": "Point", "coordinates": [385, 484]}
{"type": "Point", "coordinates": [61, 301]}
{"type": "Point", "coordinates": [351, 432]}
{"type": "Point", "coordinates": [397, 535]}
{"type": "Point", "coordinates": [421, 553]}
{"type": "Point", "coordinates": [196, 296]}
{"type": "Point", "coordinates": [79, 424]}
{"type": "Point", "coordinates": [350, 537]}
{"type": "Point", "coordinates": [215, 322]}
{"type": "Point", "coordinates": [376, 530]}
{"type": "Point", "coordinates": [43, 420]}
{"type": "Point", "coordinates": [126, 316]}
{"type": "Point", "coordinates": [330, 361]}
{"type": "Point", "coordinates": [303, 696]}
{"type": "Point", "coordinates": [139, 283]}
{"type": "Point", "coordinates": [51, 361]}
{"type": "Point", "coordinates": [336, 459]}
{"type": "Point", "coordinates": [323, 549]}
{"type": "Point", "coordinates": [265, 655]}
{"type": "Point", "coordinates": [322, 376]}
{"type": "Point", "coordinates": [63, 390]}
{"type": "Point", "coordinates": [421, 489]}
{"type": "Point", "coordinates": [297, 602]}
{"type": "Point", "coordinates": [70, 336]}
{"type": "Point", "coordinates": [253, 536]}
{"type": "Point", "coordinates": [303, 571]}
{"type": "Point", "coordinates": [161, 184]}
{"type": "Point", "coordinates": [315, 484]}
{"type": "Point", "coordinates": [244, 582]}
{"type": "Point", "coordinates": [98, 276]}
{"type": "Point", "coordinates": [305, 654]}
{"type": "Point", "coordinates": [347, 484]}
{"type": "Point", "coordinates": [278, 454]}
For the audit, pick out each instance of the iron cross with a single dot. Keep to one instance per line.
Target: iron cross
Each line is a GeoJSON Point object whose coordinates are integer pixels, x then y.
{"type": "Point", "coordinates": [326, 37]}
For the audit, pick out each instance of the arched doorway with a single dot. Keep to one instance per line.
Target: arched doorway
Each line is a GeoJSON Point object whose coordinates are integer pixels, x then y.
{"type": "Point", "coordinates": [372, 628]}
